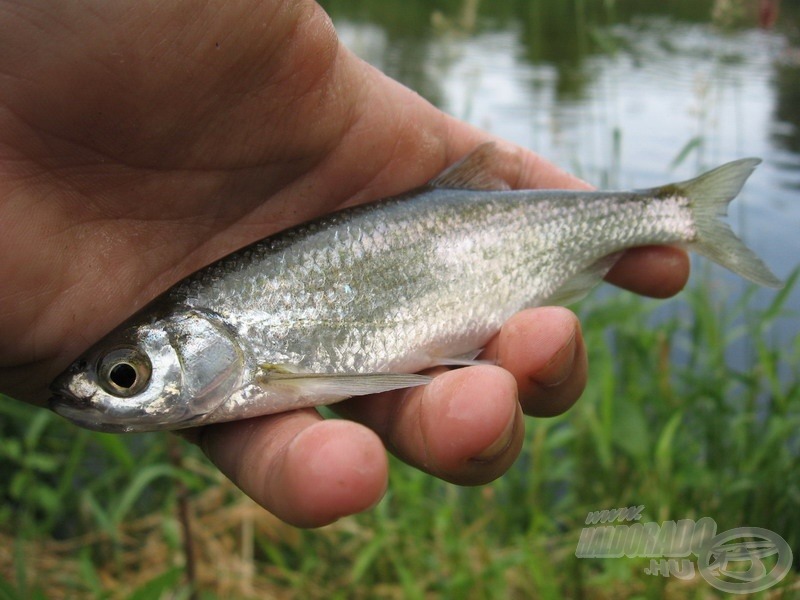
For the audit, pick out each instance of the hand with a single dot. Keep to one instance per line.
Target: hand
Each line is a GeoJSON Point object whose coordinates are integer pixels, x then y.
{"type": "Point", "coordinates": [140, 141]}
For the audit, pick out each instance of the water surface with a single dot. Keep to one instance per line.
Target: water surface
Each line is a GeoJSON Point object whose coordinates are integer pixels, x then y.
{"type": "Point", "coordinates": [625, 94]}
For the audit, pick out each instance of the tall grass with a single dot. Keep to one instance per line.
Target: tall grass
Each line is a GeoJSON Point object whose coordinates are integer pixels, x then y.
{"type": "Point", "coordinates": [668, 421]}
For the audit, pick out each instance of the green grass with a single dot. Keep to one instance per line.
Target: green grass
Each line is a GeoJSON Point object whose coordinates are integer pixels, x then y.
{"type": "Point", "coordinates": [666, 422]}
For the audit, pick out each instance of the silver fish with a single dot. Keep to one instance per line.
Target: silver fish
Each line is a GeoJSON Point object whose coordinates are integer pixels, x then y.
{"type": "Point", "coordinates": [358, 301]}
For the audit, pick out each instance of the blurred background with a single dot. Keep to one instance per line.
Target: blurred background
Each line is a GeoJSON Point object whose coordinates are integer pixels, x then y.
{"type": "Point", "coordinates": [693, 405]}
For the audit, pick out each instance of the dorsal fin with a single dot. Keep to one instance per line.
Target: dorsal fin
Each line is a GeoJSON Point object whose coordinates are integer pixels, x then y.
{"type": "Point", "coordinates": [473, 172]}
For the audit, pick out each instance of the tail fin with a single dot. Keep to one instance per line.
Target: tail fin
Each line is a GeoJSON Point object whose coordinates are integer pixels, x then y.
{"type": "Point", "coordinates": [709, 196]}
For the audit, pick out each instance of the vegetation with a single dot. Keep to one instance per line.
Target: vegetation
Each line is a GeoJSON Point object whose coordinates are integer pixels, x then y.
{"type": "Point", "coordinates": [668, 421]}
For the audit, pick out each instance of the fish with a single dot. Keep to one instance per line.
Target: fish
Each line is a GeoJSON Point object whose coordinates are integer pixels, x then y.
{"type": "Point", "coordinates": [361, 300]}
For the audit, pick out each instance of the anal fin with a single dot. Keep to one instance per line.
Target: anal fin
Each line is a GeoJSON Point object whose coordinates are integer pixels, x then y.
{"type": "Point", "coordinates": [468, 359]}
{"type": "Point", "coordinates": [580, 284]}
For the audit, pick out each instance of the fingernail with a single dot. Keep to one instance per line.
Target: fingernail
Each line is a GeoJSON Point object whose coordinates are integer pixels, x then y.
{"type": "Point", "coordinates": [560, 366]}
{"type": "Point", "coordinates": [500, 445]}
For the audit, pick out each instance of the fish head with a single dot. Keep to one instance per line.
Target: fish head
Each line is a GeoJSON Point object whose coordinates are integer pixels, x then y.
{"type": "Point", "coordinates": [151, 373]}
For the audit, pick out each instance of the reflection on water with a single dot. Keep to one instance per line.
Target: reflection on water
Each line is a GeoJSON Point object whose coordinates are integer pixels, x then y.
{"type": "Point", "coordinates": [626, 94]}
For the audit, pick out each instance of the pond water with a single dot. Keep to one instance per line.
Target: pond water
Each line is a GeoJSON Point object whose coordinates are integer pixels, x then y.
{"type": "Point", "coordinates": [625, 94]}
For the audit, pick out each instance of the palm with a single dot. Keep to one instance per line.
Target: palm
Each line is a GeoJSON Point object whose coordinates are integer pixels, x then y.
{"type": "Point", "coordinates": [140, 141]}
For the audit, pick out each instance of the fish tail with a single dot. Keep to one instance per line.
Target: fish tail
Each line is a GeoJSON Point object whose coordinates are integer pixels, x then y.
{"type": "Point", "coordinates": [709, 196]}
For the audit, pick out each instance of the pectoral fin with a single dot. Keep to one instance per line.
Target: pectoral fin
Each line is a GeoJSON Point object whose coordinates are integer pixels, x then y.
{"type": "Point", "coordinates": [341, 385]}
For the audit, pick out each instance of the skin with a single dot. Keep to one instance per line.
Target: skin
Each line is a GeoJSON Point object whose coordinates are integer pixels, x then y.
{"type": "Point", "coordinates": [140, 141]}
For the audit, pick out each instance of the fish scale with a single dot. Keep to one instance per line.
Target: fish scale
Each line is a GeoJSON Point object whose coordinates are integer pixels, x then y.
{"type": "Point", "coordinates": [403, 293]}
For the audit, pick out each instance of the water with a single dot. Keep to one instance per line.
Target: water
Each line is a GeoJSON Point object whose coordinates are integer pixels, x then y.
{"type": "Point", "coordinates": [625, 94]}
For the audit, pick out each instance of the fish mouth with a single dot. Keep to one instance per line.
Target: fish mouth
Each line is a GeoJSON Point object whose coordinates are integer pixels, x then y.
{"type": "Point", "coordinates": [81, 413]}
{"type": "Point", "coordinates": [73, 408]}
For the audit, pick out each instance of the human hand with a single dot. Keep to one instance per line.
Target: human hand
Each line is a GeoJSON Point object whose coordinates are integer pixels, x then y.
{"type": "Point", "coordinates": [139, 142]}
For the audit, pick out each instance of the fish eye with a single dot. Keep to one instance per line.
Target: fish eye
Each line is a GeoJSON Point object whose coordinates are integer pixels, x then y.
{"type": "Point", "coordinates": [124, 372]}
